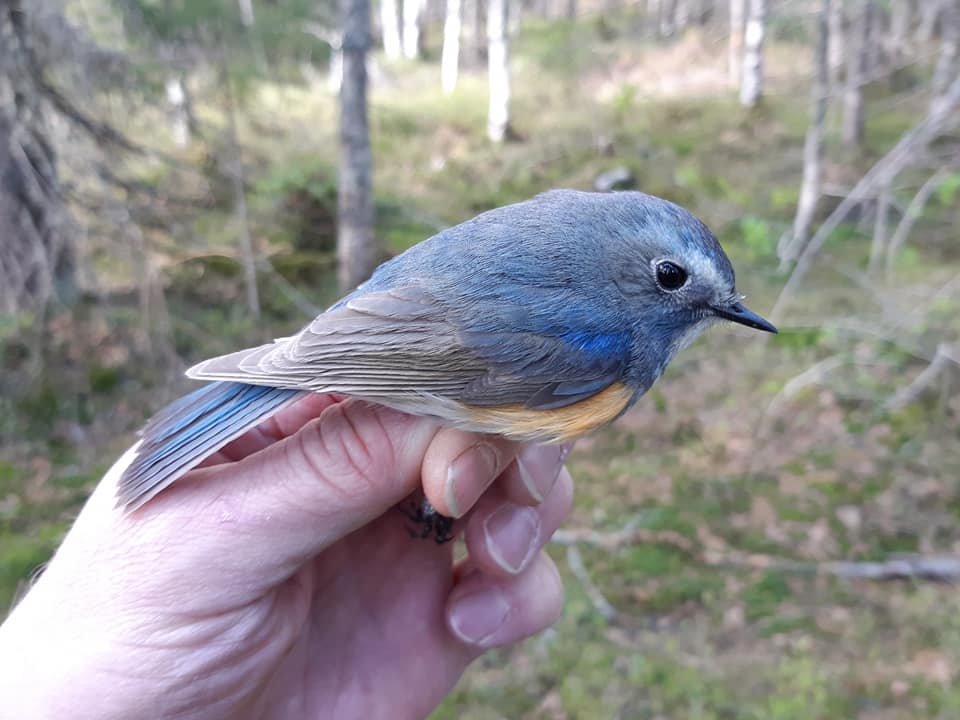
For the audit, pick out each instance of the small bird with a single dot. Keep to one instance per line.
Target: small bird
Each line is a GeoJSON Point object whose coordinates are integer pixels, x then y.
{"type": "Point", "coordinates": [540, 321]}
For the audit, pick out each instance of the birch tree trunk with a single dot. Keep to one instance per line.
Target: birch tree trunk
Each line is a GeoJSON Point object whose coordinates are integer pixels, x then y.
{"type": "Point", "coordinates": [946, 68]}
{"type": "Point", "coordinates": [857, 57]}
{"type": "Point", "coordinates": [450, 60]}
{"type": "Point", "coordinates": [900, 17]}
{"type": "Point", "coordinates": [751, 84]}
{"type": "Point", "coordinates": [248, 252]}
{"type": "Point", "coordinates": [357, 251]}
{"type": "Point", "coordinates": [246, 13]}
{"type": "Point", "coordinates": [411, 28]}
{"type": "Point", "coordinates": [735, 44]}
{"type": "Point", "coordinates": [498, 58]}
{"type": "Point", "coordinates": [335, 69]}
{"type": "Point", "coordinates": [390, 28]}
{"type": "Point", "coordinates": [929, 12]}
{"type": "Point", "coordinates": [178, 100]}
{"type": "Point", "coordinates": [819, 99]}
{"type": "Point", "coordinates": [838, 37]}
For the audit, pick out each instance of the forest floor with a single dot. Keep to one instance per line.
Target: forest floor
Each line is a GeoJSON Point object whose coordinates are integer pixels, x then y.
{"type": "Point", "coordinates": [738, 479]}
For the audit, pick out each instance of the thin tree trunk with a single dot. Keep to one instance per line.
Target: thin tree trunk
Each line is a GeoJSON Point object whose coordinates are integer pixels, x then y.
{"type": "Point", "coordinates": [876, 53]}
{"type": "Point", "coordinates": [450, 61]}
{"type": "Point", "coordinates": [411, 28]}
{"type": "Point", "coordinates": [913, 142]}
{"type": "Point", "coordinates": [947, 68]}
{"type": "Point", "coordinates": [571, 9]}
{"type": "Point", "coordinates": [838, 39]}
{"type": "Point", "coordinates": [900, 17]}
{"type": "Point", "coordinates": [357, 251]}
{"type": "Point", "coordinates": [37, 253]}
{"type": "Point", "coordinates": [735, 46]}
{"type": "Point", "coordinates": [878, 244]}
{"type": "Point", "coordinates": [681, 15]}
{"type": "Point", "coordinates": [857, 57]}
{"type": "Point", "coordinates": [751, 85]}
{"type": "Point", "coordinates": [248, 252]}
{"type": "Point", "coordinates": [335, 69]}
{"type": "Point", "coordinates": [246, 13]}
{"type": "Point", "coordinates": [929, 12]}
{"type": "Point", "coordinates": [248, 20]}
{"type": "Point", "coordinates": [668, 24]}
{"type": "Point", "coordinates": [819, 100]}
{"type": "Point", "coordinates": [390, 27]}
{"type": "Point", "coordinates": [478, 31]}
{"type": "Point", "coordinates": [911, 214]}
{"type": "Point", "coordinates": [177, 98]}
{"type": "Point", "coordinates": [498, 59]}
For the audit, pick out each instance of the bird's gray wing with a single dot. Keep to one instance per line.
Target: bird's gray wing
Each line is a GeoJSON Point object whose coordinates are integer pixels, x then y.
{"type": "Point", "coordinates": [400, 343]}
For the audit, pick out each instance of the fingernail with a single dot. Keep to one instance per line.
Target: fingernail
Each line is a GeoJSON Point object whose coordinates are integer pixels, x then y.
{"type": "Point", "coordinates": [539, 467]}
{"type": "Point", "coordinates": [462, 490]}
{"type": "Point", "coordinates": [512, 533]}
{"type": "Point", "coordinates": [476, 617]}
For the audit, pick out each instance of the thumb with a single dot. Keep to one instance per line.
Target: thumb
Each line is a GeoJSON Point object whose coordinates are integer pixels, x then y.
{"type": "Point", "coordinates": [275, 509]}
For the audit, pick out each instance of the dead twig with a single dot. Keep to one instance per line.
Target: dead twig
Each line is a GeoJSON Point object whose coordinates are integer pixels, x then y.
{"type": "Point", "coordinates": [914, 211]}
{"type": "Point", "coordinates": [579, 570]}
{"type": "Point", "coordinates": [616, 539]}
{"type": "Point", "coordinates": [934, 568]}
{"type": "Point", "coordinates": [910, 393]}
{"type": "Point", "coordinates": [912, 144]}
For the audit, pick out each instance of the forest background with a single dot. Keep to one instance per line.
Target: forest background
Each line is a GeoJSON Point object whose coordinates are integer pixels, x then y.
{"type": "Point", "coordinates": [774, 532]}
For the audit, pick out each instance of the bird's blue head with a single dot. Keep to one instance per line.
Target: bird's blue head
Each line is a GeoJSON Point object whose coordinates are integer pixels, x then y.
{"type": "Point", "coordinates": [674, 277]}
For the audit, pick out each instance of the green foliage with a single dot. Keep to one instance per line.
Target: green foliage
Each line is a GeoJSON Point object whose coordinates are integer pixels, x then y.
{"type": "Point", "coordinates": [22, 554]}
{"type": "Point", "coordinates": [764, 596]}
{"type": "Point", "coordinates": [301, 196]}
{"type": "Point", "coordinates": [757, 236]}
{"type": "Point", "coordinates": [948, 189]}
{"type": "Point", "coordinates": [103, 379]}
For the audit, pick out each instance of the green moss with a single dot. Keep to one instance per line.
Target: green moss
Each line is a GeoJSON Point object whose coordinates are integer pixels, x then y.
{"type": "Point", "coordinates": [763, 597]}
{"type": "Point", "coordinates": [22, 554]}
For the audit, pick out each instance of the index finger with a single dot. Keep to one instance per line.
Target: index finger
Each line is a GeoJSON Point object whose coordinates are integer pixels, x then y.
{"type": "Point", "coordinates": [274, 428]}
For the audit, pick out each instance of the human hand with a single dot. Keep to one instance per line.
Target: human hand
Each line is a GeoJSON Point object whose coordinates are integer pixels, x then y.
{"type": "Point", "coordinates": [278, 580]}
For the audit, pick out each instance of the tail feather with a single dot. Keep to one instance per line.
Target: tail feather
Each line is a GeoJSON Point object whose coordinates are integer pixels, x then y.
{"type": "Point", "coordinates": [191, 429]}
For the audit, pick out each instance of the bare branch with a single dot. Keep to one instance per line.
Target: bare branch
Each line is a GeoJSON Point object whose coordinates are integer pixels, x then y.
{"type": "Point", "coordinates": [603, 606]}
{"type": "Point", "coordinates": [912, 392]}
{"type": "Point", "coordinates": [914, 141]}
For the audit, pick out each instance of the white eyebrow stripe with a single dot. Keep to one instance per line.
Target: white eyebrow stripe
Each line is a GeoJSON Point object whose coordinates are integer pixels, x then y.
{"type": "Point", "coordinates": [701, 266]}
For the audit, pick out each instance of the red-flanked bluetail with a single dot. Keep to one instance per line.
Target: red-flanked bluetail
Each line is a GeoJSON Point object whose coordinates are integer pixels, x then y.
{"type": "Point", "coordinates": [538, 321]}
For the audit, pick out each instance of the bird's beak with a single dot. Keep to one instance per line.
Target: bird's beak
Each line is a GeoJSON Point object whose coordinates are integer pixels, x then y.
{"type": "Point", "coordinates": [739, 314]}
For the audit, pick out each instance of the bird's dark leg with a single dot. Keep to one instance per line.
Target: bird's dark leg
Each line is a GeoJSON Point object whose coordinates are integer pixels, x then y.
{"type": "Point", "coordinates": [426, 521]}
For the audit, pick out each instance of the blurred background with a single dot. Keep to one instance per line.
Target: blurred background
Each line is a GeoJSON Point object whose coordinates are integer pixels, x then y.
{"type": "Point", "coordinates": [774, 532]}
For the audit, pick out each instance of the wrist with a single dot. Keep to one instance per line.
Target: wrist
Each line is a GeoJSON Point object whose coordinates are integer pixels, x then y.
{"type": "Point", "coordinates": [49, 668]}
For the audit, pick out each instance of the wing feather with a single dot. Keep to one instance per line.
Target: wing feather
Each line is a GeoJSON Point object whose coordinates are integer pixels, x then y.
{"type": "Point", "coordinates": [402, 343]}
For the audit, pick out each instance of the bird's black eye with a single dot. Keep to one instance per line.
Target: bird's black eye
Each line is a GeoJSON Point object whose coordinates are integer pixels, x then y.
{"type": "Point", "coordinates": [670, 276]}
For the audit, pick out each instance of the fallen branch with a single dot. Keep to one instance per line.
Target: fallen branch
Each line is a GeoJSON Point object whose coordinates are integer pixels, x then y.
{"type": "Point", "coordinates": [616, 539]}
{"type": "Point", "coordinates": [579, 570]}
{"type": "Point", "coordinates": [934, 568]}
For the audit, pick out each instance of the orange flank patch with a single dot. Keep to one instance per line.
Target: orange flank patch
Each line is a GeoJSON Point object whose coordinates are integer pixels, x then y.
{"type": "Point", "coordinates": [558, 425]}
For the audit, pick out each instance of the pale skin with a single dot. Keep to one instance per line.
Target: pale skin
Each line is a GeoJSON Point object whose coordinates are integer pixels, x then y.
{"type": "Point", "coordinates": [279, 581]}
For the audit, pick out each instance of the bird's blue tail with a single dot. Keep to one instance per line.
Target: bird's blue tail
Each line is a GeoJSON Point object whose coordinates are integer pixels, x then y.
{"type": "Point", "coordinates": [192, 428]}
